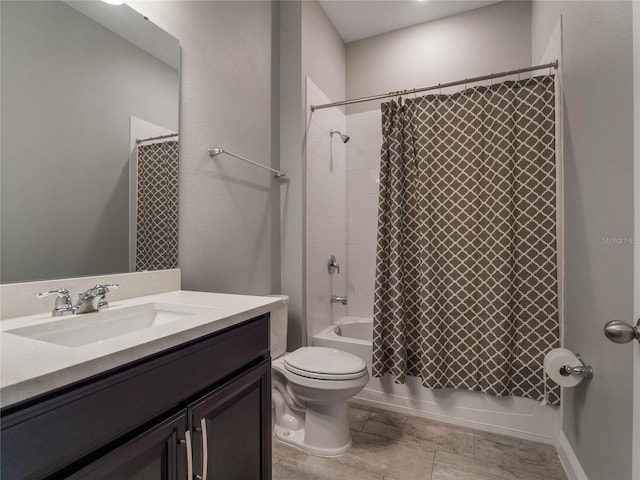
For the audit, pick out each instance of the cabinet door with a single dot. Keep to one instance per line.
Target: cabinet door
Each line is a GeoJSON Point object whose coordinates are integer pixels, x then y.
{"type": "Point", "coordinates": [232, 428]}
{"type": "Point", "coordinates": [157, 454]}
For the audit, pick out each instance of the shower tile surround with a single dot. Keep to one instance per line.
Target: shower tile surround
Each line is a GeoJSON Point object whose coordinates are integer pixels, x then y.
{"type": "Point", "coordinates": [363, 173]}
{"type": "Point", "coordinates": [326, 212]}
{"type": "Point", "coordinates": [392, 446]}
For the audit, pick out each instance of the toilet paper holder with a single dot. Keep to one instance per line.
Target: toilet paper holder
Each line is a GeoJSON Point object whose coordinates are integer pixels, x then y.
{"type": "Point", "coordinates": [583, 370]}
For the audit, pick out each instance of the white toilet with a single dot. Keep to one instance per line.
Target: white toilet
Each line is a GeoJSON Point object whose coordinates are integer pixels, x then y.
{"type": "Point", "coordinates": [309, 390]}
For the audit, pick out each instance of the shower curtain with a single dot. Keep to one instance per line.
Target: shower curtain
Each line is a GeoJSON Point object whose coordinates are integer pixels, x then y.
{"type": "Point", "coordinates": [466, 291]}
{"type": "Point", "coordinates": [157, 207]}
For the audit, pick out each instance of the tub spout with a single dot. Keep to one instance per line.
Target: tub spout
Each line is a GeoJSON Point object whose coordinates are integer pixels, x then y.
{"type": "Point", "coordinates": [337, 299]}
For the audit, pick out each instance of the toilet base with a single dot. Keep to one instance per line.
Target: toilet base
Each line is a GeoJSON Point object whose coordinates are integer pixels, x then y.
{"type": "Point", "coordinates": [295, 438]}
{"type": "Point", "coordinates": [325, 432]}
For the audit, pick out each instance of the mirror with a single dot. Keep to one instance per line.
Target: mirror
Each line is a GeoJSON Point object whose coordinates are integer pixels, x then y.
{"type": "Point", "coordinates": [81, 82]}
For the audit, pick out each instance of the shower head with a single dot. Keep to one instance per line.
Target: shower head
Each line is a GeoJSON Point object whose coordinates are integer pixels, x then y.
{"type": "Point", "coordinates": [345, 138]}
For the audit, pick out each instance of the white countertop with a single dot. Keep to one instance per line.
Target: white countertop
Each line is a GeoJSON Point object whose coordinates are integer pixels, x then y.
{"type": "Point", "coordinates": [31, 367]}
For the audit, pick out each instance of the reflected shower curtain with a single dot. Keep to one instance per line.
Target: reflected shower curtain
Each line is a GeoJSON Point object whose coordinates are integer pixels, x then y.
{"type": "Point", "coordinates": [157, 207]}
{"type": "Point", "coordinates": [466, 272]}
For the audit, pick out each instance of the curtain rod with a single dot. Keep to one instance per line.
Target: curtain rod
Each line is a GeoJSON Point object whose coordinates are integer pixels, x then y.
{"type": "Point", "coordinates": [140, 140]}
{"type": "Point", "coordinates": [553, 64]}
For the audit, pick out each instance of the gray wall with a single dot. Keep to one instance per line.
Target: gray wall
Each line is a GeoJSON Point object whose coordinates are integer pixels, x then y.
{"type": "Point", "coordinates": [598, 159]}
{"type": "Point", "coordinates": [65, 139]}
{"type": "Point", "coordinates": [323, 51]}
{"type": "Point", "coordinates": [309, 46]}
{"type": "Point", "coordinates": [292, 116]}
{"type": "Point", "coordinates": [227, 214]}
{"type": "Point", "coordinates": [489, 39]}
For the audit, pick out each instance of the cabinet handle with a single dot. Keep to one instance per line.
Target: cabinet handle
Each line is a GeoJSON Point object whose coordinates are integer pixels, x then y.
{"type": "Point", "coordinates": [189, 456]}
{"type": "Point", "coordinates": [205, 453]}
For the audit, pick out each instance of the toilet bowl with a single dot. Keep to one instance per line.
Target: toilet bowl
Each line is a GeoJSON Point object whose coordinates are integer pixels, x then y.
{"type": "Point", "coordinates": [309, 390]}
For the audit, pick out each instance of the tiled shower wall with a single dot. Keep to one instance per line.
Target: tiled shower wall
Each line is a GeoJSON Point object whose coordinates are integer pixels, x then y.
{"type": "Point", "coordinates": [363, 172]}
{"type": "Point", "coordinates": [342, 206]}
{"type": "Point", "coordinates": [326, 212]}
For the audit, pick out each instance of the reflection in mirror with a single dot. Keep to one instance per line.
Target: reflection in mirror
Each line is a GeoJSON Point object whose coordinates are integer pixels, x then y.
{"type": "Point", "coordinates": [87, 188]}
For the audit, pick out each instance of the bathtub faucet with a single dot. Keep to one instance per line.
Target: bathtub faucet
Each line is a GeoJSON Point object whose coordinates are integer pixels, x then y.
{"type": "Point", "coordinates": [337, 299]}
{"type": "Point", "coordinates": [333, 265]}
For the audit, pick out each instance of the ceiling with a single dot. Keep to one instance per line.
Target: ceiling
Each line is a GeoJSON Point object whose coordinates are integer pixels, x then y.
{"type": "Point", "coordinates": [357, 19]}
{"type": "Point", "coordinates": [124, 21]}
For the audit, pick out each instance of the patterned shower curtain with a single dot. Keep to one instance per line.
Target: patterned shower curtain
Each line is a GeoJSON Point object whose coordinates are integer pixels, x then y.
{"type": "Point", "coordinates": [157, 207]}
{"type": "Point", "coordinates": [466, 272]}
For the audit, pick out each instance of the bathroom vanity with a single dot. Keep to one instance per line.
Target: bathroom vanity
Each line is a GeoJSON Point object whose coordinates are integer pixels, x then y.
{"type": "Point", "coordinates": [181, 400]}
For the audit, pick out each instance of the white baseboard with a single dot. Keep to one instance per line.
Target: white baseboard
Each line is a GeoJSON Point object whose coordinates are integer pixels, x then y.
{"type": "Point", "coordinates": [568, 459]}
{"type": "Point", "coordinates": [451, 416]}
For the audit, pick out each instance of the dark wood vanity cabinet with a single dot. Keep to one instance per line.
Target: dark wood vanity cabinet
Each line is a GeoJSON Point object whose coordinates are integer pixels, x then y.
{"type": "Point", "coordinates": [229, 423]}
{"type": "Point", "coordinates": [199, 410]}
{"type": "Point", "coordinates": [158, 454]}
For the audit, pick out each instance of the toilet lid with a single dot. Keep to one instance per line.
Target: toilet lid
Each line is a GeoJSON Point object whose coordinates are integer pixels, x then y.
{"type": "Point", "coordinates": [325, 364]}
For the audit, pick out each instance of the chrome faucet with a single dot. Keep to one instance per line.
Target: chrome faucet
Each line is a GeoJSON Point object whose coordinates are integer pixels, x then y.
{"type": "Point", "coordinates": [90, 301]}
{"type": "Point", "coordinates": [63, 304]}
{"type": "Point", "coordinates": [333, 265]}
{"type": "Point", "coordinates": [337, 299]}
{"type": "Point", "coordinates": [93, 299]}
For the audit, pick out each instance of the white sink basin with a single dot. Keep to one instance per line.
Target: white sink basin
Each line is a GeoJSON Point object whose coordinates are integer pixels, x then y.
{"type": "Point", "coordinates": [79, 330]}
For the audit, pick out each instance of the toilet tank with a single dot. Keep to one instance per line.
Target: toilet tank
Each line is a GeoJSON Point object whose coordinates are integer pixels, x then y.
{"type": "Point", "coordinates": [279, 316]}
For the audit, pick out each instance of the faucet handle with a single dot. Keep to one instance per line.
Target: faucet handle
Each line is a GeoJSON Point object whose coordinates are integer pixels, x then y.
{"type": "Point", "coordinates": [99, 289]}
{"type": "Point", "coordinates": [94, 299]}
{"type": "Point", "coordinates": [61, 293]}
{"type": "Point", "coordinates": [63, 301]}
{"type": "Point", "coordinates": [106, 287]}
{"type": "Point", "coordinates": [102, 290]}
{"type": "Point", "coordinates": [333, 265]}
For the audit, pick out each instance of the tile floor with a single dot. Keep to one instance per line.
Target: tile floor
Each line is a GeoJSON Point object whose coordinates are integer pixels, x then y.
{"type": "Point", "coordinates": [392, 446]}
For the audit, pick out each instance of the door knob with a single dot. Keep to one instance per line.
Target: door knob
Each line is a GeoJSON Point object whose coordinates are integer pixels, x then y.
{"type": "Point", "coordinates": [621, 332]}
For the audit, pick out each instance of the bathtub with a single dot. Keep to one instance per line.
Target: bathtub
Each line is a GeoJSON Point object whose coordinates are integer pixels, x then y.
{"type": "Point", "coordinates": [515, 416]}
{"type": "Point", "coordinates": [349, 334]}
